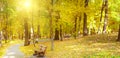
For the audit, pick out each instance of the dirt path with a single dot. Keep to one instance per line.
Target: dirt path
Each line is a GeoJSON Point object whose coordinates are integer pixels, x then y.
{"type": "Point", "coordinates": [14, 52]}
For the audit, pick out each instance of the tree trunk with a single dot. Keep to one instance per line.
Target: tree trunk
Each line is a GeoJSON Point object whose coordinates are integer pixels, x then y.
{"type": "Point", "coordinates": [119, 34]}
{"type": "Point", "coordinates": [51, 29]}
{"type": "Point", "coordinates": [5, 30]}
{"type": "Point", "coordinates": [56, 34]}
{"type": "Point", "coordinates": [85, 31]}
{"type": "Point", "coordinates": [51, 21]}
{"type": "Point", "coordinates": [38, 32]}
{"type": "Point", "coordinates": [0, 39]}
{"type": "Point", "coordinates": [6, 23]}
{"type": "Point", "coordinates": [75, 28]}
{"type": "Point", "coordinates": [57, 29]}
{"type": "Point", "coordinates": [26, 43]}
{"type": "Point", "coordinates": [61, 35]}
{"type": "Point", "coordinates": [22, 35]}
{"type": "Point", "coordinates": [101, 17]}
{"type": "Point", "coordinates": [51, 25]}
{"type": "Point", "coordinates": [106, 16]}
{"type": "Point", "coordinates": [79, 24]}
{"type": "Point", "coordinates": [32, 35]}
{"type": "Point", "coordinates": [5, 34]}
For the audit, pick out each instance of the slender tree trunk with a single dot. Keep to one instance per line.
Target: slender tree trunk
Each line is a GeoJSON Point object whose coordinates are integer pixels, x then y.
{"type": "Point", "coordinates": [51, 21]}
{"type": "Point", "coordinates": [106, 16]}
{"type": "Point", "coordinates": [85, 31]}
{"type": "Point", "coordinates": [26, 43]}
{"type": "Point", "coordinates": [101, 17]}
{"type": "Point", "coordinates": [0, 43]}
{"type": "Point", "coordinates": [33, 35]}
{"type": "Point", "coordinates": [5, 29]}
{"type": "Point", "coordinates": [61, 35]}
{"type": "Point", "coordinates": [38, 32]}
{"type": "Point", "coordinates": [0, 39]}
{"type": "Point", "coordinates": [22, 36]}
{"type": "Point", "coordinates": [79, 23]}
{"type": "Point", "coordinates": [119, 34]}
{"type": "Point", "coordinates": [51, 26]}
{"type": "Point", "coordinates": [5, 37]}
{"type": "Point", "coordinates": [6, 23]}
{"type": "Point", "coordinates": [75, 27]}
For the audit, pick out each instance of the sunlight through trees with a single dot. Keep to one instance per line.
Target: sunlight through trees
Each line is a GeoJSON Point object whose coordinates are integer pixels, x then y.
{"type": "Point", "coordinates": [57, 20]}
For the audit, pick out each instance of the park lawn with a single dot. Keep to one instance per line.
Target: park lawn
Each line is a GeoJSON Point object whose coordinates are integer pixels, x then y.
{"type": "Point", "coordinates": [4, 46]}
{"type": "Point", "coordinates": [95, 46]}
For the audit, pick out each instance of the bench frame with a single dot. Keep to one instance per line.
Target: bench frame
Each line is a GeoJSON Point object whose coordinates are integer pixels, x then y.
{"type": "Point", "coordinates": [40, 52]}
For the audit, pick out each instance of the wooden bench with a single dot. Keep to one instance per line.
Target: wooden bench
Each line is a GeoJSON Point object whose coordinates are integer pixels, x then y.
{"type": "Point", "coordinates": [40, 52]}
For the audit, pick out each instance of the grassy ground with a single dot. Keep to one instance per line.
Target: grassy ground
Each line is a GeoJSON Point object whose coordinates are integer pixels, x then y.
{"type": "Point", "coordinates": [4, 46]}
{"type": "Point", "coordinates": [96, 46]}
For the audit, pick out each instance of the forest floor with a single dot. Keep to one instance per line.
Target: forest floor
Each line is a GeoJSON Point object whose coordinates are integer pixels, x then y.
{"type": "Point", "coordinates": [95, 46]}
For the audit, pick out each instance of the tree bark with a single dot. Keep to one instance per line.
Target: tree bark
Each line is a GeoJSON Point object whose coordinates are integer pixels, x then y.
{"type": "Point", "coordinates": [51, 21]}
{"type": "Point", "coordinates": [0, 39]}
{"type": "Point", "coordinates": [79, 24]}
{"type": "Point", "coordinates": [6, 23]}
{"type": "Point", "coordinates": [51, 29]}
{"type": "Point", "coordinates": [85, 31]}
{"type": "Point", "coordinates": [26, 43]}
{"type": "Point", "coordinates": [57, 29]}
{"type": "Point", "coordinates": [119, 34]}
{"type": "Point", "coordinates": [61, 35]}
{"type": "Point", "coordinates": [75, 27]}
{"type": "Point", "coordinates": [38, 32]}
{"type": "Point", "coordinates": [101, 17]}
{"type": "Point", "coordinates": [51, 25]}
{"type": "Point", "coordinates": [106, 16]}
{"type": "Point", "coordinates": [56, 34]}
{"type": "Point", "coordinates": [5, 28]}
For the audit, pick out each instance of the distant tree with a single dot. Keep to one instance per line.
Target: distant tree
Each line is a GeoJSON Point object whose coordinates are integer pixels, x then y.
{"type": "Point", "coordinates": [75, 27]}
{"type": "Point", "coordinates": [0, 39]}
{"type": "Point", "coordinates": [102, 9]}
{"type": "Point", "coordinates": [106, 16]}
{"type": "Point", "coordinates": [85, 30]}
{"type": "Point", "coordinates": [79, 23]}
{"type": "Point", "coordinates": [38, 32]}
{"type": "Point", "coordinates": [61, 33]}
{"type": "Point", "coordinates": [118, 34]}
{"type": "Point", "coordinates": [51, 20]}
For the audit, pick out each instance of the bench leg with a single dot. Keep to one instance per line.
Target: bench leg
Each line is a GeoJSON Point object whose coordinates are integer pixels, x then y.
{"type": "Point", "coordinates": [35, 53]}
{"type": "Point", "coordinates": [41, 54]}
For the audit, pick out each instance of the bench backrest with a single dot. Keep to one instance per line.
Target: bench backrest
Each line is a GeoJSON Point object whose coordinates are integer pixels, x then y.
{"type": "Point", "coordinates": [43, 48]}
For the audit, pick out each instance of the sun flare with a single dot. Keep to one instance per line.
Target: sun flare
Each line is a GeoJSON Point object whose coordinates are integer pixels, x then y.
{"type": "Point", "coordinates": [27, 4]}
